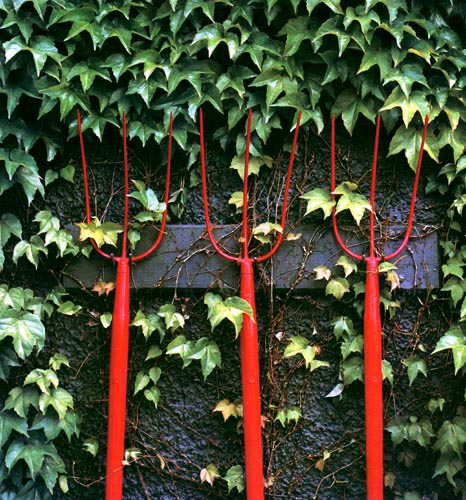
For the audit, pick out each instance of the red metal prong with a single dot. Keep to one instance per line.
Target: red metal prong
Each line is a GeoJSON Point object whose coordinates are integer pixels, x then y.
{"type": "Point", "coordinates": [332, 189]}
{"type": "Point", "coordinates": [86, 186]}
{"type": "Point", "coordinates": [413, 196]}
{"type": "Point", "coordinates": [245, 229]}
{"type": "Point", "coordinates": [286, 193]}
{"type": "Point", "coordinates": [166, 198]}
{"type": "Point", "coordinates": [214, 243]}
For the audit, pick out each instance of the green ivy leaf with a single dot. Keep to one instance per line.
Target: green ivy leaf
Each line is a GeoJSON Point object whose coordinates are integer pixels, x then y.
{"type": "Point", "coordinates": [416, 102]}
{"type": "Point", "coordinates": [409, 141]}
{"type": "Point", "coordinates": [456, 288]}
{"type": "Point", "coordinates": [52, 425]}
{"type": "Point", "coordinates": [415, 366]}
{"type": "Point", "coordinates": [100, 232]}
{"type": "Point", "coordinates": [276, 82]}
{"type": "Point", "coordinates": [286, 415]}
{"type": "Point", "coordinates": [42, 378]}
{"type": "Point", "coordinates": [435, 404]}
{"type": "Point", "coordinates": [31, 249]}
{"type": "Point", "coordinates": [208, 353]}
{"type": "Point", "coordinates": [348, 265]}
{"type": "Point", "coordinates": [148, 199]}
{"type": "Point", "coordinates": [237, 163]}
{"type": "Point", "coordinates": [59, 399]}
{"type": "Point", "coordinates": [455, 340]}
{"type": "Point", "coordinates": [351, 345]}
{"type": "Point", "coordinates": [154, 352]}
{"type": "Point", "coordinates": [182, 347]}
{"type": "Point", "coordinates": [69, 308]}
{"type": "Point", "coordinates": [333, 5]}
{"type": "Point", "coordinates": [317, 199]}
{"type": "Point", "coordinates": [297, 30]}
{"type": "Point", "coordinates": [376, 56]}
{"type": "Point", "coordinates": [322, 272]}
{"type": "Point", "coordinates": [25, 329]}
{"type": "Point", "coordinates": [454, 267]}
{"type": "Point", "coordinates": [142, 380]}
{"type": "Point", "coordinates": [387, 371]}
{"type": "Point", "coordinates": [33, 453]}
{"type": "Point", "coordinates": [20, 399]}
{"type": "Point", "coordinates": [91, 446]}
{"type": "Point", "coordinates": [8, 360]}
{"type": "Point", "coordinates": [209, 474]}
{"type": "Point", "coordinates": [173, 319]}
{"type": "Point", "coordinates": [350, 105]}
{"type": "Point", "coordinates": [235, 478]}
{"type": "Point", "coordinates": [299, 345]}
{"type": "Point", "coordinates": [20, 167]}
{"type": "Point", "coordinates": [232, 309]}
{"type": "Point", "coordinates": [87, 71]}
{"type": "Point", "coordinates": [449, 464]}
{"type": "Point", "coordinates": [214, 34]}
{"type": "Point", "coordinates": [349, 200]}
{"type": "Point", "coordinates": [451, 437]}
{"type": "Point", "coordinates": [149, 324]}
{"type": "Point", "coordinates": [9, 225]}
{"type": "Point", "coordinates": [236, 199]}
{"type": "Point", "coordinates": [337, 287]}
{"type": "Point", "coordinates": [343, 325]}
{"type": "Point", "coordinates": [153, 394]}
{"type": "Point", "coordinates": [10, 422]}
{"type": "Point", "coordinates": [406, 76]}
{"type": "Point", "coordinates": [263, 230]}
{"type": "Point", "coordinates": [146, 88]}
{"type": "Point", "coordinates": [40, 47]}
{"type": "Point", "coordinates": [352, 370]}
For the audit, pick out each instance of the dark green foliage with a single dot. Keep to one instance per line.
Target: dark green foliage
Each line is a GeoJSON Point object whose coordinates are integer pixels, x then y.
{"type": "Point", "coordinates": [406, 58]}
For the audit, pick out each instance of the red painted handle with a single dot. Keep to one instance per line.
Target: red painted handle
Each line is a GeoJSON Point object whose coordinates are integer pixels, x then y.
{"type": "Point", "coordinates": [118, 377]}
{"type": "Point", "coordinates": [373, 382]}
{"type": "Point", "coordinates": [249, 349]}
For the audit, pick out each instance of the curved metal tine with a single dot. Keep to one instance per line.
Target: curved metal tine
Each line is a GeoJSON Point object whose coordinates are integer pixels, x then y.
{"type": "Point", "coordinates": [214, 243]}
{"type": "Point", "coordinates": [332, 189]}
{"type": "Point", "coordinates": [124, 248]}
{"type": "Point", "coordinates": [373, 187]}
{"type": "Point", "coordinates": [167, 195]}
{"type": "Point", "coordinates": [86, 188]}
{"type": "Point", "coordinates": [245, 229]}
{"type": "Point", "coordinates": [285, 194]}
{"type": "Point", "coordinates": [413, 196]}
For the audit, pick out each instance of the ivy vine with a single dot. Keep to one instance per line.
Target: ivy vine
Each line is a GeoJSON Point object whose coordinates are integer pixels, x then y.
{"type": "Point", "coordinates": [352, 59]}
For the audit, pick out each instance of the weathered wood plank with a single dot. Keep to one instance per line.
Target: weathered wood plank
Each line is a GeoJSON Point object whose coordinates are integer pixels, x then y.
{"type": "Point", "coordinates": [185, 259]}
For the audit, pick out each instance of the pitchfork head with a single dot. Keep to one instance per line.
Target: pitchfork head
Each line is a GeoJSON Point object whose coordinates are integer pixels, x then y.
{"type": "Point", "coordinates": [124, 247]}
{"type": "Point", "coordinates": [372, 196]}
{"type": "Point", "coordinates": [245, 224]}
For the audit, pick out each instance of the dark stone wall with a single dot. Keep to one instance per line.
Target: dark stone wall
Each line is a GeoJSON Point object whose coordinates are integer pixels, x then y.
{"type": "Point", "coordinates": [183, 435]}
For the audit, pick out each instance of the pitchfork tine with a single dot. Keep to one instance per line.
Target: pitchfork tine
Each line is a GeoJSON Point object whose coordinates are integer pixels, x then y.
{"type": "Point", "coordinates": [409, 225]}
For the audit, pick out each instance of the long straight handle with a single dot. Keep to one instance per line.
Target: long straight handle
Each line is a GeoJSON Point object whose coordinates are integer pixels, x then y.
{"type": "Point", "coordinates": [118, 382]}
{"type": "Point", "coordinates": [373, 382]}
{"type": "Point", "coordinates": [250, 377]}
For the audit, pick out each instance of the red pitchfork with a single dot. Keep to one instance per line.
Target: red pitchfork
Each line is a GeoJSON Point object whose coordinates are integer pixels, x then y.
{"type": "Point", "coordinates": [120, 322]}
{"type": "Point", "coordinates": [249, 348]}
{"type": "Point", "coordinates": [372, 323]}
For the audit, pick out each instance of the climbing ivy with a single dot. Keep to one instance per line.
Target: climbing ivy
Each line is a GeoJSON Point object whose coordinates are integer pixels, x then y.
{"type": "Point", "coordinates": [405, 59]}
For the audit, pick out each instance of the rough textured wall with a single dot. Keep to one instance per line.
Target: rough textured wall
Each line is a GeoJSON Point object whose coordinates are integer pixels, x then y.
{"type": "Point", "coordinates": [183, 435]}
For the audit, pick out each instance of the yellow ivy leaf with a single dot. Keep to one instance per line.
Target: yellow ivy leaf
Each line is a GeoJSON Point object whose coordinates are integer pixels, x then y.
{"type": "Point", "coordinates": [103, 287]}
{"type": "Point", "coordinates": [226, 408]}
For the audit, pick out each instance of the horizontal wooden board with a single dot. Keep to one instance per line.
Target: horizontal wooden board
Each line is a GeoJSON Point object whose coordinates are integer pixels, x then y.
{"type": "Point", "coordinates": [185, 259]}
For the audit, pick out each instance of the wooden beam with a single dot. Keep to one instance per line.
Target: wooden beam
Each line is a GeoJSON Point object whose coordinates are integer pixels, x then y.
{"type": "Point", "coordinates": [185, 259]}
